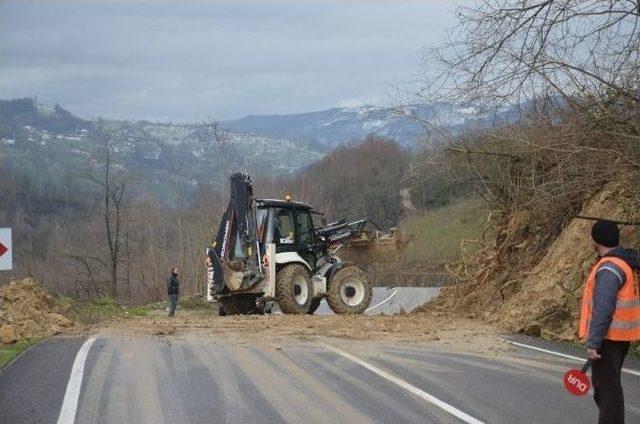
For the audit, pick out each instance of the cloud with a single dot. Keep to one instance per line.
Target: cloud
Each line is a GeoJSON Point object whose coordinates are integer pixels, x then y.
{"type": "Point", "coordinates": [187, 60]}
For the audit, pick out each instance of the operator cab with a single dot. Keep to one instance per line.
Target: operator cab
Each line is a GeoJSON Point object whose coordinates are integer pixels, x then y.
{"type": "Point", "coordinates": [289, 225]}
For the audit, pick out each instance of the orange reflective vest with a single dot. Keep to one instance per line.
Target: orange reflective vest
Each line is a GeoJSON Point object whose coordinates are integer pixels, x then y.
{"type": "Point", "coordinates": [625, 324]}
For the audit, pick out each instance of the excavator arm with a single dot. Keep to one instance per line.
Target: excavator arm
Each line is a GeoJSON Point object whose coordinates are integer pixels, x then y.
{"type": "Point", "coordinates": [233, 260]}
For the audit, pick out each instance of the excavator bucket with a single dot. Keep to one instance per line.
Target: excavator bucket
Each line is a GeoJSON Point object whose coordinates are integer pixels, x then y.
{"type": "Point", "coordinates": [375, 248]}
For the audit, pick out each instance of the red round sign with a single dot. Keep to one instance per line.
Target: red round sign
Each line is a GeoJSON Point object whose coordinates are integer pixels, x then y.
{"type": "Point", "coordinates": [577, 382]}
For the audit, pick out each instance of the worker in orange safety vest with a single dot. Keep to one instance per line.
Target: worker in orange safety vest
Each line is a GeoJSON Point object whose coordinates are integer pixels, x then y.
{"type": "Point", "coordinates": [610, 317]}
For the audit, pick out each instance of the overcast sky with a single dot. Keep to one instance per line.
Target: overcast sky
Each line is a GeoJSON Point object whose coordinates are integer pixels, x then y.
{"type": "Point", "coordinates": [188, 60]}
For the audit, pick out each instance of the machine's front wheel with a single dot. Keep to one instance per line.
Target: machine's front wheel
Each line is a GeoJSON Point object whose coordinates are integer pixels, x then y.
{"type": "Point", "coordinates": [349, 291]}
{"type": "Point", "coordinates": [293, 289]}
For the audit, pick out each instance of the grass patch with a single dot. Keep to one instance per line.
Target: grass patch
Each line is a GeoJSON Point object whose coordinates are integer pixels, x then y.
{"type": "Point", "coordinates": [105, 309]}
{"type": "Point", "coordinates": [10, 351]}
{"type": "Point", "coordinates": [439, 232]}
{"type": "Point", "coordinates": [101, 309]}
{"type": "Point", "coordinates": [137, 311]}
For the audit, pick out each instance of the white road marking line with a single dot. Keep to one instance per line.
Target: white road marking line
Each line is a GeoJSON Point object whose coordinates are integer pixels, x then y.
{"type": "Point", "coordinates": [383, 302]}
{"type": "Point", "coordinates": [409, 387]}
{"type": "Point", "coordinates": [563, 355]}
{"type": "Point", "coordinates": [72, 395]}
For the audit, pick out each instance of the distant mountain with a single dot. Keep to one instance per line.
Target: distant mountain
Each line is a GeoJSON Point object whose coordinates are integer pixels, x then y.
{"type": "Point", "coordinates": [17, 113]}
{"type": "Point", "coordinates": [332, 127]}
{"type": "Point", "coordinates": [173, 157]}
{"type": "Point", "coordinates": [165, 158]}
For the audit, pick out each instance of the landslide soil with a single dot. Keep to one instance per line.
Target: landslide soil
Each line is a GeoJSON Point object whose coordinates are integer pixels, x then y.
{"type": "Point", "coordinates": [437, 329]}
{"type": "Point", "coordinates": [544, 299]}
{"type": "Point", "coordinates": [28, 312]}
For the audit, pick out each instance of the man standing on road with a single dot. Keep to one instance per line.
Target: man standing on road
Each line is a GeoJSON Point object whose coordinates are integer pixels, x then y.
{"type": "Point", "coordinates": [610, 317]}
{"type": "Point", "coordinates": [173, 289]}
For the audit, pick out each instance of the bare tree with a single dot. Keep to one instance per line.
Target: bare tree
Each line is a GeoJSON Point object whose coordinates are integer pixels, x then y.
{"type": "Point", "coordinates": [575, 67]}
{"type": "Point", "coordinates": [515, 50]}
{"type": "Point", "coordinates": [112, 180]}
{"type": "Point", "coordinates": [575, 64]}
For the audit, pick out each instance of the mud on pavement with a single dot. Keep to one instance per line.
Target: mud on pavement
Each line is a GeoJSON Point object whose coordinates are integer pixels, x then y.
{"type": "Point", "coordinates": [438, 330]}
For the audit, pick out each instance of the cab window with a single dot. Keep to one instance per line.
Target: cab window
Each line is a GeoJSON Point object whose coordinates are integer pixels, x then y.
{"type": "Point", "coordinates": [305, 229]}
{"type": "Point", "coordinates": [285, 227]}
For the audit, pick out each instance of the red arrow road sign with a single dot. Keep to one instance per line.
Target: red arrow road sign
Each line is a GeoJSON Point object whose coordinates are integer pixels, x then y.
{"type": "Point", "coordinates": [3, 249]}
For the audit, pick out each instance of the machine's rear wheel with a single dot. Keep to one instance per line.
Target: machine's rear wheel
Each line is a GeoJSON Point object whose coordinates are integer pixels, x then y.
{"type": "Point", "coordinates": [349, 291]}
{"type": "Point", "coordinates": [239, 304]}
{"type": "Point", "coordinates": [315, 303]}
{"type": "Point", "coordinates": [293, 289]}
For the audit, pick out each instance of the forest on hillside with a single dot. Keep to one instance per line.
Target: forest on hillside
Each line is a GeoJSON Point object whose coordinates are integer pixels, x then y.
{"type": "Point", "coordinates": [96, 229]}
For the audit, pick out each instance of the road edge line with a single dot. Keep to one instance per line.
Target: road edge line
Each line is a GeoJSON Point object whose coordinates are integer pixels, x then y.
{"type": "Point", "coordinates": [72, 394]}
{"type": "Point", "coordinates": [383, 302]}
{"type": "Point", "coordinates": [564, 355]}
{"type": "Point", "coordinates": [408, 387]}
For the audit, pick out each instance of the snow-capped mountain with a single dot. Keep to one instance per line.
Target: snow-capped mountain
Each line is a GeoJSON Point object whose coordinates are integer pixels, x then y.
{"type": "Point", "coordinates": [332, 127]}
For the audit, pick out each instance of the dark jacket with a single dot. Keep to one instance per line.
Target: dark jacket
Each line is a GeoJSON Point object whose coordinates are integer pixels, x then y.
{"type": "Point", "coordinates": [609, 280]}
{"type": "Point", "coordinates": [173, 285]}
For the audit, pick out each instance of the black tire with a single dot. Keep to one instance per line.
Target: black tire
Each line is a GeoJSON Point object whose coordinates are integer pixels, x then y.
{"type": "Point", "coordinates": [349, 291]}
{"type": "Point", "coordinates": [313, 307]}
{"type": "Point", "coordinates": [239, 304]}
{"type": "Point", "coordinates": [292, 282]}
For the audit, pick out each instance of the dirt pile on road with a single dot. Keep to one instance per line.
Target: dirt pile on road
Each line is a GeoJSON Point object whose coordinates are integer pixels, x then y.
{"type": "Point", "coordinates": [28, 312]}
{"type": "Point", "coordinates": [275, 330]}
{"type": "Point", "coordinates": [541, 296]}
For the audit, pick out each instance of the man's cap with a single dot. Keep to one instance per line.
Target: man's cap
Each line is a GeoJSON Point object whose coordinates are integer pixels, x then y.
{"type": "Point", "coordinates": [605, 233]}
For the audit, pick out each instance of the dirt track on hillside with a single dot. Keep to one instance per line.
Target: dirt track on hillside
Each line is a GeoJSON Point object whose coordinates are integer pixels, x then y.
{"type": "Point", "coordinates": [445, 331]}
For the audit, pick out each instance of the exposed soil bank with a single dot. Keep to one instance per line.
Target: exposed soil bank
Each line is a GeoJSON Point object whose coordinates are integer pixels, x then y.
{"type": "Point", "coordinates": [28, 312]}
{"type": "Point", "coordinates": [542, 299]}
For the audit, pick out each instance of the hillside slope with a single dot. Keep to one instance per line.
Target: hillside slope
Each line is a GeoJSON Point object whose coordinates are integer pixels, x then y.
{"type": "Point", "coordinates": [544, 300]}
{"type": "Point", "coordinates": [166, 157]}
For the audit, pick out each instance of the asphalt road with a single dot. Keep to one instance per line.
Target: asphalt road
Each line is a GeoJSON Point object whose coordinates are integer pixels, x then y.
{"type": "Point", "coordinates": [202, 380]}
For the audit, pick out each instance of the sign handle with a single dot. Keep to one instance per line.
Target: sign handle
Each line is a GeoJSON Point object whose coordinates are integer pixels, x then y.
{"type": "Point", "coordinates": [586, 366]}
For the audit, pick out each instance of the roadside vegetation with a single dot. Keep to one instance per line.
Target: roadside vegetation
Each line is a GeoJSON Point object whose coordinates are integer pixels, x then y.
{"type": "Point", "coordinates": [10, 351]}
{"type": "Point", "coordinates": [573, 150]}
{"type": "Point", "coordinates": [100, 309]}
{"type": "Point", "coordinates": [106, 309]}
